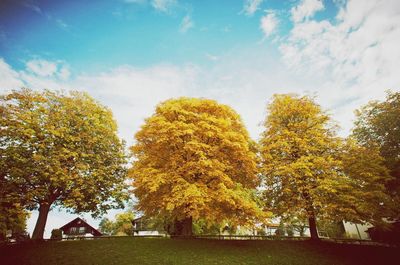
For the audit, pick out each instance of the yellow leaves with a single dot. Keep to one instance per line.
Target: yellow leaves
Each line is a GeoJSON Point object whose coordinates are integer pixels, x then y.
{"type": "Point", "coordinates": [295, 150]}
{"type": "Point", "coordinates": [305, 165]}
{"type": "Point", "coordinates": [63, 142]}
{"type": "Point", "coordinates": [196, 146]}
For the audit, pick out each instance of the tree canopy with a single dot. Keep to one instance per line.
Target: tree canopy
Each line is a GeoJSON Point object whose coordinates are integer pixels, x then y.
{"type": "Point", "coordinates": [362, 196]}
{"type": "Point", "coordinates": [378, 125]}
{"type": "Point", "coordinates": [309, 172]}
{"type": "Point", "coordinates": [122, 226]}
{"type": "Point", "coordinates": [195, 159]}
{"type": "Point", "coordinates": [61, 149]}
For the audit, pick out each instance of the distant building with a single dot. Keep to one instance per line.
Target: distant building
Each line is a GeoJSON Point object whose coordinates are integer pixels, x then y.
{"type": "Point", "coordinates": [79, 228]}
{"type": "Point", "coordinates": [142, 227]}
{"type": "Point", "coordinates": [357, 231]}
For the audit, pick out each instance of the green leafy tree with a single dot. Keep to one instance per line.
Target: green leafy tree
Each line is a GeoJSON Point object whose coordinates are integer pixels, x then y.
{"type": "Point", "coordinates": [378, 125]}
{"type": "Point", "coordinates": [106, 226]}
{"type": "Point", "coordinates": [61, 150]}
{"type": "Point", "coordinates": [195, 160]}
{"type": "Point", "coordinates": [123, 223]}
{"type": "Point", "coordinates": [121, 226]}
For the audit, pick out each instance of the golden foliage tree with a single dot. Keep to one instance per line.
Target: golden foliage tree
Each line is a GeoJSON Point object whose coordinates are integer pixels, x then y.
{"type": "Point", "coordinates": [13, 216]}
{"type": "Point", "coordinates": [61, 150]}
{"type": "Point", "coordinates": [194, 159]}
{"type": "Point", "coordinates": [310, 173]}
{"type": "Point", "coordinates": [362, 196]}
{"type": "Point", "coordinates": [378, 125]}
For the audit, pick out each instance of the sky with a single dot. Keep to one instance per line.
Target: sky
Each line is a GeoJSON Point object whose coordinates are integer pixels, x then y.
{"type": "Point", "coordinates": [132, 54]}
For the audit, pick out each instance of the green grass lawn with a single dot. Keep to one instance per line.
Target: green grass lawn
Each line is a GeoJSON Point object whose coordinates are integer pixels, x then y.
{"type": "Point", "coordinates": [127, 250]}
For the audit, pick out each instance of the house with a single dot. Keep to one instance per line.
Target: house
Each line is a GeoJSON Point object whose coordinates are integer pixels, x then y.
{"type": "Point", "coordinates": [357, 231]}
{"type": "Point", "coordinates": [79, 228]}
{"type": "Point", "coordinates": [143, 227]}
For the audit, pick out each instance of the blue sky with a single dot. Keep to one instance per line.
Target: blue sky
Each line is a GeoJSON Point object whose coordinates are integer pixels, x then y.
{"type": "Point", "coordinates": [96, 35]}
{"type": "Point", "coordinates": [132, 54]}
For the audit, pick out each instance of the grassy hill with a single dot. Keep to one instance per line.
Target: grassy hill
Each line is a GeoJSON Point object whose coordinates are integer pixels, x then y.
{"type": "Point", "coordinates": [128, 250]}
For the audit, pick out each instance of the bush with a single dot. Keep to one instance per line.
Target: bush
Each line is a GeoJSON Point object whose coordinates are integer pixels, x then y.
{"type": "Point", "coordinates": [56, 234]}
{"type": "Point", "coordinates": [289, 231]}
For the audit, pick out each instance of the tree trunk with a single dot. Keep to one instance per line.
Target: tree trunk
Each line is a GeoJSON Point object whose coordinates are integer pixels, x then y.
{"type": "Point", "coordinates": [184, 227]}
{"type": "Point", "coordinates": [313, 226]}
{"type": "Point", "coordinates": [38, 232]}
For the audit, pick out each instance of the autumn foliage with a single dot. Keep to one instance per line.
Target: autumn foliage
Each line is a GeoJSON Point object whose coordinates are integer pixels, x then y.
{"type": "Point", "coordinates": [194, 159]}
{"type": "Point", "coordinates": [311, 173]}
{"type": "Point", "coordinates": [61, 150]}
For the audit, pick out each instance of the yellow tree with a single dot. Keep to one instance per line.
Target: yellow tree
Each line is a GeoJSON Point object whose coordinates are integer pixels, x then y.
{"type": "Point", "coordinates": [311, 173]}
{"type": "Point", "coordinates": [378, 125]}
{"type": "Point", "coordinates": [194, 159]}
{"type": "Point", "coordinates": [298, 161]}
{"type": "Point", "coordinates": [362, 196]}
{"type": "Point", "coordinates": [61, 150]}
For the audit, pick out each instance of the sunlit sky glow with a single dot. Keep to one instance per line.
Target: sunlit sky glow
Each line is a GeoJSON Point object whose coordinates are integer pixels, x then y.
{"type": "Point", "coordinates": [132, 54]}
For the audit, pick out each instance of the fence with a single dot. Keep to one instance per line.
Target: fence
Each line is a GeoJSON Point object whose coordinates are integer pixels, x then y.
{"type": "Point", "coordinates": [224, 237]}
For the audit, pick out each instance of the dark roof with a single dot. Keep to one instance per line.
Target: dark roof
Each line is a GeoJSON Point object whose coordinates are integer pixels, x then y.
{"type": "Point", "coordinates": [79, 222]}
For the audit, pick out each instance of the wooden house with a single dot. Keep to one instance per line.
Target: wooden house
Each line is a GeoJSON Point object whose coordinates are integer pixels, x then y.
{"type": "Point", "coordinates": [79, 228]}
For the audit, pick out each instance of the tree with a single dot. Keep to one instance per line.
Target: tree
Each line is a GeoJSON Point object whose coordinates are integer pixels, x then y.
{"type": "Point", "coordinates": [61, 150]}
{"type": "Point", "coordinates": [298, 162]}
{"type": "Point", "coordinates": [106, 226]}
{"type": "Point", "coordinates": [12, 218]}
{"type": "Point", "coordinates": [122, 225]}
{"type": "Point", "coordinates": [12, 213]}
{"type": "Point", "coordinates": [309, 172]}
{"type": "Point", "coordinates": [362, 195]}
{"type": "Point", "coordinates": [195, 160]}
{"type": "Point", "coordinates": [378, 125]}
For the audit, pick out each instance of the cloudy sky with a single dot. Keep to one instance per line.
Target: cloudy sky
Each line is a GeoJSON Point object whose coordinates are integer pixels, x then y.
{"type": "Point", "coordinates": [132, 54]}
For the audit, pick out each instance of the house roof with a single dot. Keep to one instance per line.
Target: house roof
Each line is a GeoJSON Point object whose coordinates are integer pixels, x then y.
{"type": "Point", "coordinates": [79, 222]}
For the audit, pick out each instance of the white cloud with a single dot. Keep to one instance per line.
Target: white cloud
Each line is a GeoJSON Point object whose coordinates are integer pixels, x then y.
{"type": "Point", "coordinates": [306, 9]}
{"type": "Point", "coordinates": [132, 93]}
{"type": "Point", "coordinates": [269, 23]}
{"type": "Point", "coordinates": [32, 6]}
{"type": "Point", "coordinates": [251, 6]}
{"type": "Point", "coordinates": [241, 79]}
{"type": "Point", "coordinates": [64, 73]}
{"type": "Point", "coordinates": [186, 24]}
{"type": "Point", "coordinates": [163, 5]}
{"type": "Point", "coordinates": [357, 56]}
{"type": "Point", "coordinates": [9, 78]}
{"type": "Point", "coordinates": [211, 57]}
{"type": "Point", "coordinates": [42, 67]}
{"type": "Point", "coordinates": [61, 24]}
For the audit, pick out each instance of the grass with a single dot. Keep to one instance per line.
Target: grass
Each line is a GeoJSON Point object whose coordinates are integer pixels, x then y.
{"type": "Point", "coordinates": [126, 250]}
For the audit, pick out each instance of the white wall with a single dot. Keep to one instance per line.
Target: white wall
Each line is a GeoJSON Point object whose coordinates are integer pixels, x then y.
{"type": "Point", "coordinates": [351, 230]}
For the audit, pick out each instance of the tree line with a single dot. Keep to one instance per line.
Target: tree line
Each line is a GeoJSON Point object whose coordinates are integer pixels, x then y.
{"type": "Point", "coordinates": [194, 162]}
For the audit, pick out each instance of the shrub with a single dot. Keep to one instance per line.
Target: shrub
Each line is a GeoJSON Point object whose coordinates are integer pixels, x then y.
{"type": "Point", "coordinates": [56, 234]}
